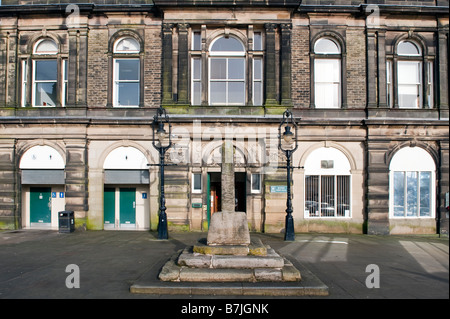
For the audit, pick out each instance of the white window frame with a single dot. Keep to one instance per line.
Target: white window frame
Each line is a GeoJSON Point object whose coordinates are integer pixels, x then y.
{"type": "Point", "coordinates": [24, 83]}
{"type": "Point", "coordinates": [260, 95]}
{"type": "Point", "coordinates": [412, 159]}
{"type": "Point", "coordinates": [227, 55]}
{"type": "Point", "coordinates": [197, 190]}
{"type": "Point", "coordinates": [116, 82]}
{"type": "Point", "coordinates": [322, 57]}
{"type": "Point", "coordinates": [35, 82]}
{"type": "Point", "coordinates": [254, 190]}
{"type": "Point", "coordinates": [404, 59]}
{"type": "Point", "coordinates": [341, 167]}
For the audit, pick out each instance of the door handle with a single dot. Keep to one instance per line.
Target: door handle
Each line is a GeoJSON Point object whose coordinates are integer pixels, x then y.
{"type": "Point", "coordinates": [134, 204]}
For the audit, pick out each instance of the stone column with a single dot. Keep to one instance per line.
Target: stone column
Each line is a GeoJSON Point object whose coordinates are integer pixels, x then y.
{"type": "Point", "coordinates": [286, 64]}
{"type": "Point", "coordinates": [167, 96]}
{"type": "Point", "coordinates": [270, 69]}
{"type": "Point", "coordinates": [183, 62]}
{"type": "Point", "coordinates": [228, 195]}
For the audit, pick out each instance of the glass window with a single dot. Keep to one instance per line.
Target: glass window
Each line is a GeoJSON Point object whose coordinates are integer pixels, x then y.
{"type": "Point", "coordinates": [327, 83]}
{"type": "Point", "coordinates": [45, 82]}
{"type": "Point", "coordinates": [257, 41]}
{"type": "Point", "coordinates": [409, 84]}
{"type": "Point", "coordinates": [127, 45]}
{"type": "Point", "coordinates": [196, 40]}
{"type": "Point", "coordinates": [196, 183]}
{"type": "Point", "coordinates": [326, 46]}
{"type": "Point", "coordinates": [24, 75]}
{"type": "Point", "coordinates": [196, 81]}
{"type": "Point", "coordinates": [256, 183]}
{"type": "Point", "coordinates": [126, 82]}
{"type": "Point", "coordinates": [327, 187]}
{"type": "Point", "coordinates": [46, 46]}
{"type": "Point", "coordinates": [409, 75]}
{"type": "Point", "coordinates": [257, 81]}
{"type": "Point", "coordinates": [412, 177]}
{"type": "Point", "coordinates": [327, 74]}
{"type": "Point", "coordinates": [227, 72]}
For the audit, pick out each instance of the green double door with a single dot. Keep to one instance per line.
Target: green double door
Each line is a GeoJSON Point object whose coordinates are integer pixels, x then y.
{"type": "Point", "coordinates": [41, 205]}
{"type": "Point", "coordinates": [127, 206]}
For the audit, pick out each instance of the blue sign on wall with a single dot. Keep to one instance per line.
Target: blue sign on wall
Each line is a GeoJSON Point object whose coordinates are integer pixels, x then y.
{"type": "Point", "coordinates": [53, 194]}
{"type": "Point", "coordinates": [144, 195]}
{"type": "Point", "coordinates": [61, 194]}
{"type": "Point", "coordinates": [278, 189]}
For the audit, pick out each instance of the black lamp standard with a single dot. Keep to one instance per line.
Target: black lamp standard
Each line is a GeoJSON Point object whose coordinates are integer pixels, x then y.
{"type": "Point", "coordinates": [162, 137]}
{"type": "Point", "coordinates": [288, 147]}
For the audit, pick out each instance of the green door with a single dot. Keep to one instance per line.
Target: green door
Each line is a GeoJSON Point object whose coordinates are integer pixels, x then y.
{"type": "Point", "coordinates": [109, 204]}
{"type": "Point", "coordinates": [40, 205]}
{"type": "Point", "coordinates": [128, 206]}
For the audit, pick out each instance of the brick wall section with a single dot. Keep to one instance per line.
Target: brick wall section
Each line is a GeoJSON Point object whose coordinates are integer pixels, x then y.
{"type": "Point", "coordinates": [97, 76]}
{"type": "Point", "coordinates": [356, 68]}
{"type": "Point", "coordinates": [300, 66]}
{"type": "Point", "coordinates": [152, 66]}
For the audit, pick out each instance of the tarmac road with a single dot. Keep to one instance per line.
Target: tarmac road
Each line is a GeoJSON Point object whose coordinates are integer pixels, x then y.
{"type": "Point", "coordinates": [33, 263]}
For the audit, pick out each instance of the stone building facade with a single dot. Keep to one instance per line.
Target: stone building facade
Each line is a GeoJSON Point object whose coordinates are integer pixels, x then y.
{"type": "Point", "coordinates": [367, 82]}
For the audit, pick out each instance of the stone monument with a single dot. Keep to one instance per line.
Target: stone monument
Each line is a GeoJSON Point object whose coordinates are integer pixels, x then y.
{"type": "Point", "coordinates": [228, 254]}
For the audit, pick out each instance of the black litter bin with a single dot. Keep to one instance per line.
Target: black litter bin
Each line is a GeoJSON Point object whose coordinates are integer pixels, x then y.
{"type": "Point", "coordinates": [66, 221]}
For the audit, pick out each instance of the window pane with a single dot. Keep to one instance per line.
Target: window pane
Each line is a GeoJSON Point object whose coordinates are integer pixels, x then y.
{"type": "Point", "coordinates": [218, 92]}
{"type": "Point", "coordinates": [399, 194]}
{"type": "Point", "coordinates": [256, 182]}
{"type": "Point", "coordinates": [197, 41]}
{"type": "Point", "coordinates": [326, 95]}
{"type": "Point", "coordinates": [411, 193]}
{"type": "Point", "coordinates": [312, 196]}
{"type": "Point", "coordinates": [227, 44]}
{"type": "Point", "coordinates": [218, 69]}
{"type": "Point", "coordinates": [425, 184]}
{"type": "Point", "coordinates": [45, 94]}
{"type": "Point", "coordinates": [236, 92]}
{"type": "Point", "coordinates": [236, 69]}
{"type": "Point", "coordinates": [327, 70]}
{"type": "Point", "coordinates": [326, 46]}
{"type": "Point", "coordinates": [257, 69]}
{"type": "Point", "coordinates": [127, 45]}
{"type": "Point", "coordinates": [197, 182]}
{"type": "Point", "coordinates": [408, 96]}
{"type": "Point", "coordinates": [407, 48]}
{"type": "Point", "coordinates": [408, 72]}
{"type": "Point", "coordinates": [327, 195]}
{"type": "Point", "coordinates": [127, 70]}
{"type": "Point", "coordinates": [257, 41]}
{"type": "Point", "coordinates": [197, 93]}
{"type": "Point", "coordinates": [343, 196]}
{"type": "Point", "coordinates": [197, 69]}
{"type": "Point", "coordinates": [47, 47]}
{"type": "Point", "coordinates": [46, 70]}
{"type": "Point", "coordinates": [128, 94]}
{"type": "Point", "coordinates": [257, 93]}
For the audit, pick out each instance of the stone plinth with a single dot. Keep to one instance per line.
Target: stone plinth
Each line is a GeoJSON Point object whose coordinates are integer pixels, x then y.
{"type": "Point", "coordinates": [228, 228]}
{"type": "Point", "coordinates": [260, 263]}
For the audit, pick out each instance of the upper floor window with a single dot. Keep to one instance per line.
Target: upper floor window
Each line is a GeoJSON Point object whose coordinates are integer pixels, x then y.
{"type": "Point", "coordinates": [407, 78]}
{"type": "Point", "coordinates": [126, 73]}
{"type": "Point", "coordinates": [227, 72]}
{"type": "Point", "coordinates": [48, 81]}
{"type": "Point", "coordinates": [224, 73]}
{"type": "Point", "coordinates": [327, 73]}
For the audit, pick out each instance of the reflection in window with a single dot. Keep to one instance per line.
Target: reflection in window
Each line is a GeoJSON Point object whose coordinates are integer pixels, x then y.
{"type": "Point", "coordinates": [45, 82]}
{"type": "Point", "coordinates": [411, 189]}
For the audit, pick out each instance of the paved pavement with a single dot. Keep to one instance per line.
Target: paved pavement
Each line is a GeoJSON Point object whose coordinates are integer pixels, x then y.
{"type": "Point", "coordinates": [33, 263]}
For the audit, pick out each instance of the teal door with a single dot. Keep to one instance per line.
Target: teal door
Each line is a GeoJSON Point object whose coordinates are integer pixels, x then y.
{"type": "Point", "coordinates": [40, 205]}
{"type": "Point", "coordinates": [128, 206]}
{"type": "Point", "coordinates": [109, 205]}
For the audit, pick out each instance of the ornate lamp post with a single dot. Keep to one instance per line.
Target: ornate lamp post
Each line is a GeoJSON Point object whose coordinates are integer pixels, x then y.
{"type": "Point", "coordinates": [288, 145]}
{"type": "Point", "coordinates": [162, 142]}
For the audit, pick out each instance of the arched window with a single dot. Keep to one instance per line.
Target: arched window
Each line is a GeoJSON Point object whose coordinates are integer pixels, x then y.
{"type": "Point", "coordinates": [126, 90]}
{"type": "Point", "coordinates": [49, 87]}
{"type": "Point", "coordinates": [227, 72]}
{"type": "Point", "coordinates": [412, 176]}
{"type": "Point", "coordinates": [409, 75]}
{"type": "Point", "coordinates": [327, 184]}
{"type": "Point", "coordinates": [327, 74]}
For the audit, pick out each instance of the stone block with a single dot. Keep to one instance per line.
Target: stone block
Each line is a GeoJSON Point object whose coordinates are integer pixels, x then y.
{"type": "Point", "coordinates": [265, 274]}
{"type": "Point", "coordinates": [190, 259]}
{"type": "Point", "coordinates": [216, 275]}
{"type": "Point", "coordinates": [228, 228]}
{"type": "Point", "coordinates": [170, 272]}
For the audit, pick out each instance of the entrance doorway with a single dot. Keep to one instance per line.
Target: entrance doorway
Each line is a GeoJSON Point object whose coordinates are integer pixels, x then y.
{"type": "Point", "coordinates": [40, 205]}
{"type": "Point", "coordinates": [214, 191]}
